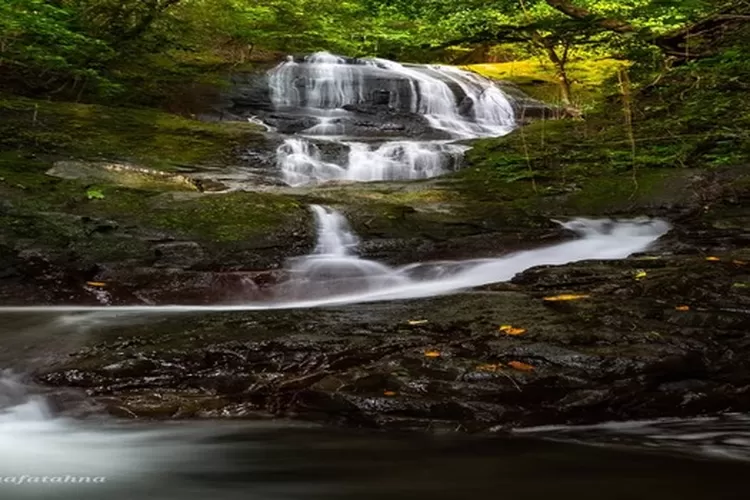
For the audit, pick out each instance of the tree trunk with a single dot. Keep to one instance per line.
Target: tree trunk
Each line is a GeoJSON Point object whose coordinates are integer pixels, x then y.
{"type": "Point", "coordinates": [560, 63]}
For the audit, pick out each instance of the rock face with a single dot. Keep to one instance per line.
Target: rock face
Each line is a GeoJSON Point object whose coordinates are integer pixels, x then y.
{"type": "Point", "coordinates": [122, 174]}
{"type": "Point", "coordinates": [661, 334]}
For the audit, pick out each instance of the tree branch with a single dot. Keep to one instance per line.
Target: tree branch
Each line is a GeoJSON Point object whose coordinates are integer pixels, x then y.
{"type": "Point", "coordinates": [571, 10]}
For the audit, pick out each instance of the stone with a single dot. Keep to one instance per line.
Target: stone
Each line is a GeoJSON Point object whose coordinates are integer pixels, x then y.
{"type": "Point", "coordinates": [179, 254]}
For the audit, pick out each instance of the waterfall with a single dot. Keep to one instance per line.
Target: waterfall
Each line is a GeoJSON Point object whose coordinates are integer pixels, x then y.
{"type": "Point", "coordinates": [334, 275]}
{"type": "Point", "coordinates": [334, 235]}
{"type": "Point", "coordinates": [347, 99]}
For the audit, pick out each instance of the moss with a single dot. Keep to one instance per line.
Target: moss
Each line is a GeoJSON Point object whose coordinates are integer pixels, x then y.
{"type": "Point", "coordinates": [153, 138]}
{"type": "Point", "coordinates": [538, 79]}
{"type": "Point", "coordinates": [695, 120]}
{"type": "Point", "coordinates": [229, 217]}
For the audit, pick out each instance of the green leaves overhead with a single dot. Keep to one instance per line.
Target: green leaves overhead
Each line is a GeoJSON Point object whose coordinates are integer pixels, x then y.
{"type": "Point", "coordinates": [79, 47]}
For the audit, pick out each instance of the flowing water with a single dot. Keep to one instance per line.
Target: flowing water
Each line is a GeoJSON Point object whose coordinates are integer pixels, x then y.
{"type": "Point", "coordinates": [101, 458]}
{"type": "Point", "coordinates": [47, 455]}
{"type": "Point", "coordinates": [334, 275]}
{"type": "Point", "coordinates": [332, 91]}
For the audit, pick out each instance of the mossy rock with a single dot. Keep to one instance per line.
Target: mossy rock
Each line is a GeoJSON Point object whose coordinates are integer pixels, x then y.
{"type": "Point", "coordinates": [149, 137]}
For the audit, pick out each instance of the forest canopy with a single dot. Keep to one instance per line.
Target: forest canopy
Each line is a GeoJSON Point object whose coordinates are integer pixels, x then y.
{"type": "Point", "coordinates": [101, 48]}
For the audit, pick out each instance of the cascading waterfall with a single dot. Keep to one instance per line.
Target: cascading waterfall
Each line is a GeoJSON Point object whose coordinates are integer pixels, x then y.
{"type": "Point", "coordinates": [334, 275]}
{"type": "Point", "coordinates": [341, 94]}
{"type": "Point", "coordinates": [34, 442]}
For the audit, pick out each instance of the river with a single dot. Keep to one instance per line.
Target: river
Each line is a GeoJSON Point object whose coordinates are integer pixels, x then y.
{"type": "Point", "coordinates": [53, 444]}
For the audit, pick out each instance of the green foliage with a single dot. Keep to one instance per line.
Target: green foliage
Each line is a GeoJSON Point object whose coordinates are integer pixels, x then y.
{"type": "Point", "coordinates": [88, 49]}
{"type": "Point", "coordinates": [143, 136]}
{"type": "Point", "coordinates": [41, 46]}
{"type": "Point", "coordinates": [94, 194]}
{"type": "Point", "coordinates": [695, 118]}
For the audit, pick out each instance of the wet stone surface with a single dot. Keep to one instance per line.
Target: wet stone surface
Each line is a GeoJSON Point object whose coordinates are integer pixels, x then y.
{"type": "Point", "coordinates": [657, 335]}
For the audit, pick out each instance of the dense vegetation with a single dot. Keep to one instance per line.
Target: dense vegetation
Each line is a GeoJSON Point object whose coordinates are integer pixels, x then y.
{"type": "Point", "coordinates": [141, 50]}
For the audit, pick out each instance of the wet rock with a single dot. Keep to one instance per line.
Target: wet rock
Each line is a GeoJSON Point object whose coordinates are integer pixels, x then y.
{"type": "Point", "coordinates": [120, 173]}
{"type": "Point", "coordinates": [180, 254]}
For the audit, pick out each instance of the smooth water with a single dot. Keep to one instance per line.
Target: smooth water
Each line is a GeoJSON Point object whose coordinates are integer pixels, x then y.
{"type": "Point", "coordinates": [84, 460]}
{"type": "Point", "coordinates": [97, 458]}
{"type": "Point", "coordinates": [325, 87]}
{"type": "Point", "coordinates": [334, 275]}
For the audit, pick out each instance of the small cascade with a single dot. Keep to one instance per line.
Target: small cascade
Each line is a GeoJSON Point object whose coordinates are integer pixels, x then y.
{"type": "Point", "coordinates": [334, 275]}
{"type": "Point", "coordinates": [410, 114]}
{"type": "Point", "coordinates": [302, 162]}
{"type": "Point", "coordinates": [333, 268]}
{"type": "Point", "coordinates": [334, 235]}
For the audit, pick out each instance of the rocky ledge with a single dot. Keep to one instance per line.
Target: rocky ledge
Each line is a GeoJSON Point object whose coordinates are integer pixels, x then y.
{"type": "Point", "coordinates": [660, 334]}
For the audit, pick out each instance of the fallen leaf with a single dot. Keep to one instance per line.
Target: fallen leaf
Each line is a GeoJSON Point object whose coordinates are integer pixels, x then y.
{"type": "Point", "coordinates": [389, 393]}
{"type": "Point", "coordinates": [97, 284]}
{"type": "Point", "coordinates": [713, 259]}
{"type": "Point", "coordinates": [740, 285]}
{"type": "Point", "coordinates": [640, 274]}
{"type": "Point", "coordinates": [739, 262]}
{"type": "Point", "coordinates": [521, 366]}
{"type": "Point", "coordinates": [566, 297]}
{"type": "Point", "coordinates": [509, 330]}
{"type": "Point", "coordinates": [415, 322]}
{"type": "Point", "coordinates": [432, 354]}
{"type": "Point", "coordinates": [489, 367]}
{"type": "Point", "coordinates": [682, 308]}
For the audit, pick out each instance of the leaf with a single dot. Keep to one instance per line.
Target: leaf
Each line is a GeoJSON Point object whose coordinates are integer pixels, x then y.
{"type": "Point", "coordinates": [94, 194]}
{"type": "Point", "coordinates": [640, 274]}
{"type": "Point", "coordinates": [510, 330]}
{"type": "Point", "coordinates": [389, 393]}
{"type": "Point", "coordinates": [97, 284]}
{"type": "Point", "coordinates": [521, 366]}
{"type": "Point", "coordinates": [432, 354]}
{"type": "Point", "coordinates": [713, 259]}
{"type": "Point", "coordinates": [489, 367]}
{"type": "Point", "coordinates": [739, 262]}
{"type": "Point", "coordinates": [414, 322]}
{"type": "Point", "coordinates": [566, 297]}
{"type": "Point", "coordinates": [682, 308]}
{"type": "Point", "coordinates": [740, 285]}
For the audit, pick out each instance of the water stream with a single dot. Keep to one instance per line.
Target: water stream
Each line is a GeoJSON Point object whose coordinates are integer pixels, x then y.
{"type": "Point", "coordinates": [334, 275]}
{"type": "Point", "coordinates": [338, 95]}
{"type": "Point", "coordinates": [94, 459]}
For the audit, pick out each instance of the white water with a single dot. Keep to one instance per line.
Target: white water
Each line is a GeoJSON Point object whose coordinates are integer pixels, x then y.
{"type": "Point", "coordinates": [34, 442]}
{"type": "Point", "coordinates": [462, 104]}
{"type": "Point", "coordinates": [335, 275]}
{"type": "Point", "coordinates": [302, 161]}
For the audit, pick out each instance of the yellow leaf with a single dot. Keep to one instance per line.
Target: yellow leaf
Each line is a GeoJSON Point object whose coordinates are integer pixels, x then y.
{"type": "Point", "coordinates": [389, 393]}
{"type": "Point", "coordinates": [97, 284]}
{"type": "Point", "coordinates": [739, 262]}
{"type": "Point", "coordinates": [640, 274]}
{"type": "Point", "coordinates": [521, 366]}
{"type": "Point", "coordinates": [489, 367]}
{"type": "Point", "coordinates": [509, 330]}
{"type": "Point", "coordinates": [713, 259]}
{"type": "Point", "coordinates": [566, 297]}
{"type": "Point", "coordinates": [415, 322]}
{"type": "Point", "coordinates": [682, 308]}
{"type": "Point", "coordinates": [432, 354]}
